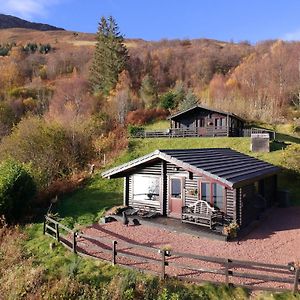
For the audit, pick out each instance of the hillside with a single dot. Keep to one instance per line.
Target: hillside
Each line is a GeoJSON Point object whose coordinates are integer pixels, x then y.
{"type": "Point", "coordinates": [7, 21]}
{"type": "Point", "coordinates": [86, 206]}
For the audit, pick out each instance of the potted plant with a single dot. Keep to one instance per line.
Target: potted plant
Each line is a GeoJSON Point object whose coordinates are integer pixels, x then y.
{"type": "Point", "coordinates": [231, 230]}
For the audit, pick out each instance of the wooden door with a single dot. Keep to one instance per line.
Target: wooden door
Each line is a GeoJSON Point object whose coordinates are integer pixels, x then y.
{"type": "Point", "coordinates": [175, 197]}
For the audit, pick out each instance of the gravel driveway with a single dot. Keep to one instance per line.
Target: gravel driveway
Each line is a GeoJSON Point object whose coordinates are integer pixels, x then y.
{"type": "Point", "coordinates": [276, 240]}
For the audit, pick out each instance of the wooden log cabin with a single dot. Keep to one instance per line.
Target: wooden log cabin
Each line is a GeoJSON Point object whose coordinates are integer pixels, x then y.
{"type": "Point", "coordinates": [207, 122]}
{"type": "Point", "coordinates": [167, 181]}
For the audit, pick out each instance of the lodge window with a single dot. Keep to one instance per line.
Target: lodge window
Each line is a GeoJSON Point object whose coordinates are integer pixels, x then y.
{"type": "Point", "coordinates": [176, 187]}
{"type": "Point", "coordinates": [205, 191]}
{"type": "Point", "coordinates": [146, 187]}
{"type": "Point", "coordinates": [200, 122]}
{"type": "Point", "coordinates": [220, 122]}
{"type": "Point", "coordinates": [213, 193]}
{"type": "Point", "coordinates": [218, 195]}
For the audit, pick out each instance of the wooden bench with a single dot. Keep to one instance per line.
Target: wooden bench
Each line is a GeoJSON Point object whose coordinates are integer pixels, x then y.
{"type": "Point", "coordinates": [200, 213]}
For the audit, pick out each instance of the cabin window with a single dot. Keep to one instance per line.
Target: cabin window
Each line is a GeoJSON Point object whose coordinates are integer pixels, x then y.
{"type": "Point", "coordinates": [220, 122]}
{"type": "Point", "coordinates": [223, 122]}
{"type": "Point", "coordinates": [200, 122]}
{"type": "Point", "coordinates": [218, 195]}
{"type": "Point", "coordinates": [205, 191]}
{"type": "Point", "coordinates": [213, 193]}
{"type": "Point", "coordinates": [146, 188]}
{"type": "Point", "coordinates": [176, 187]}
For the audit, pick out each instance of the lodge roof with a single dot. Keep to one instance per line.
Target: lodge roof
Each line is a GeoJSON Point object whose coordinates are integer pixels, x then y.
{"type": "Point", "coordinates": [223, 164]}
{"type": "Point", "coordinates": [206, 108]}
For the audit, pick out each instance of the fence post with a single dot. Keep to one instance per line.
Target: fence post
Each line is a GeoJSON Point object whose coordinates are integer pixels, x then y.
{"type": "Point", "coordinates": [57, 231]}
{"type": "Point", "coordinates": [227, 261]}
{"type": "Point", "coordinates": [163, 263]}
{"type": "Point", "coordinates": [114, 252]}
{"type": "Point", "coordinates": [297, 275]}
{"type": "Point", "coordinates": [74, 242]}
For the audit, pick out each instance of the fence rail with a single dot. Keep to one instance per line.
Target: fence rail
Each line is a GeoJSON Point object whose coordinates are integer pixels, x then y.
{"type": "Point", "coordinates": [230, 268]}
{"type": "Point", "coordinates": [201, 132]}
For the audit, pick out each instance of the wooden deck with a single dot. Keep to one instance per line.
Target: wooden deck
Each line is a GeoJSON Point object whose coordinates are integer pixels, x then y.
{"type": "Point", "coordinates": [211, 131]}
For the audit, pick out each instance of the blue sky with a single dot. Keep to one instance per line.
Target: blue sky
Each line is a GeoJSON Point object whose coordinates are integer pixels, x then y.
{"type": "Point", "coordinates": [237, 20]}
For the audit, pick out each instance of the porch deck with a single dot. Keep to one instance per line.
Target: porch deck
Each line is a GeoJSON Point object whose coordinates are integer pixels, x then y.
{"type": "Point", "coordinates": [176, 225]}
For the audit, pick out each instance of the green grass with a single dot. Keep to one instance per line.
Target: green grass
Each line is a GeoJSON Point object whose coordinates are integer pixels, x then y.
{"type": "Point", "coordinates": [163, 124]}
{"type": "Point", "coordinates": [87, 205]}
{"type": "Point", "coordinates": [58, 261]}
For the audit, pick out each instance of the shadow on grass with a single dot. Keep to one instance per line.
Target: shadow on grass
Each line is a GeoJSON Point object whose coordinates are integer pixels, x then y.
{"type": "Point", "coordinates": [287, 138]}
{"type": "Point", "coordinates": [88, 208]}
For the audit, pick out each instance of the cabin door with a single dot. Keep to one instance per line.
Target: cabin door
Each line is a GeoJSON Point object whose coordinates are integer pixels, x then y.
{"type": "Point", "coordinates": [175, 197]}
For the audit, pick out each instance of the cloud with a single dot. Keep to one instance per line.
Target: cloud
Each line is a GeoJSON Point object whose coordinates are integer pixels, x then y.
{"type": "Point", "coordinates": [292, 36]}
{"type": "Point", "coordinates": [27, 8]}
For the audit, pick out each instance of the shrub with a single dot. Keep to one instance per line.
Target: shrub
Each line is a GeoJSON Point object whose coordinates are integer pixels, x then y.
{"type": "Point", "coordinates": [143, 116]}
{"type": "Point", "coordinates": [17, 188]}
{"type": "Point", "coordinates": [133, 130]}
{"type": "Point", "coordinates": [53, 151]}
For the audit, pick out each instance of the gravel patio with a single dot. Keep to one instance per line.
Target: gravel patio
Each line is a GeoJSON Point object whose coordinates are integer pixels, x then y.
{"type": "Point", "coordinates": [276, 240]}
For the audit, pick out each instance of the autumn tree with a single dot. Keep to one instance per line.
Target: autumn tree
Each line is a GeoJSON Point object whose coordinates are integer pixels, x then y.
{"type": "Point", "coordinates": [148, 91]}
{"type": "Point", "coordinates": [110, 57]}
{"type": "Point", "coordinates": [120, 99]}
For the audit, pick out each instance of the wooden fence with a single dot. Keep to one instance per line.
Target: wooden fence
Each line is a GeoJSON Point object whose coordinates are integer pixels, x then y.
{"type": "Point", "coordinates": [164, 259]}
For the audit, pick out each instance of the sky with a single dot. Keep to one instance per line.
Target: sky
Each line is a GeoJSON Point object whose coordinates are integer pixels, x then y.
{"type": "Point", "coordinates": [227, 20]}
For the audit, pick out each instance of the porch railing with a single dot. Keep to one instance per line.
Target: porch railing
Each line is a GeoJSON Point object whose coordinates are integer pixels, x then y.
{"type": "Point", "coordinates": [210, 131]}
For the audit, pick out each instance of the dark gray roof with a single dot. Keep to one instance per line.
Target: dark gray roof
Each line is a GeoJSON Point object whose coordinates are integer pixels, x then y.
{"type": "Point", "coordinates": [226, 165]}
{"type": "Point", "coordinates": [204, 107]}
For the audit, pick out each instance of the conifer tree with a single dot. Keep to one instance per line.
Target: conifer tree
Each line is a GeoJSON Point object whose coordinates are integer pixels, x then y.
{"type": "Point", "coordinates": [110, 57]}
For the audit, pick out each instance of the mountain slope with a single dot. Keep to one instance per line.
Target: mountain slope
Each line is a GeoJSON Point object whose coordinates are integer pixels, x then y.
{"type": "Point", "coordinates": [7, 21]}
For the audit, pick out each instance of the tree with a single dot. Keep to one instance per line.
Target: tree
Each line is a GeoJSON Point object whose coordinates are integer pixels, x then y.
{"type": "Point", "coordinates": [120, 100]}
{"type": "Point", "coordinates": [148, 91]}
{"type": "Point", "coordinates": [167, 100]}
{"type": "Point", "coordinates": [110, 57]}
{"type": "Point", "coordinates": [48, 148]}
{"type": "Point", "coordinates": [189, 101]}
{"type": "Point", "coordinates": [17, 188]}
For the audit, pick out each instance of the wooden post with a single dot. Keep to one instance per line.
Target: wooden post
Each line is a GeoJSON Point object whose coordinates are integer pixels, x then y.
{"type": "Point", "coordinates": [297, 275]}
{"type": "Point", "coordinates": [114, 252]}
{"type": "Point", "coordinates": [163, 263]}
{"type": "Point", "coordinates": [57, 231]}
{"type": "Point", "coordinates": [74, 242]}
{"type": "Point", "coordinates": [227, 261]}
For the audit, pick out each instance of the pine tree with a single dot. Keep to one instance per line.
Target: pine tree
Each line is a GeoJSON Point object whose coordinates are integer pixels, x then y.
{"type": "Point", "coordinates": [110, 57]}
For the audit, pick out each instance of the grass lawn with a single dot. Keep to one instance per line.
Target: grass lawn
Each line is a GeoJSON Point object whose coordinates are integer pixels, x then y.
{"type": "Point", "coordinates": [163, 124]}
{"type": "Point", "coordinates": [87, 205]}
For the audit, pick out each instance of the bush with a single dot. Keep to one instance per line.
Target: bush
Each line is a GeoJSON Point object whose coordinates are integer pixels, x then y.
{"type": "Point", "coordinates": [133, 130]}
{"type": "Point", "coordinates": [143, 116]}
{"type": "Point", "coordinates": [53, 151]}
{"type": "Point", "coordinates": [17, 188]}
